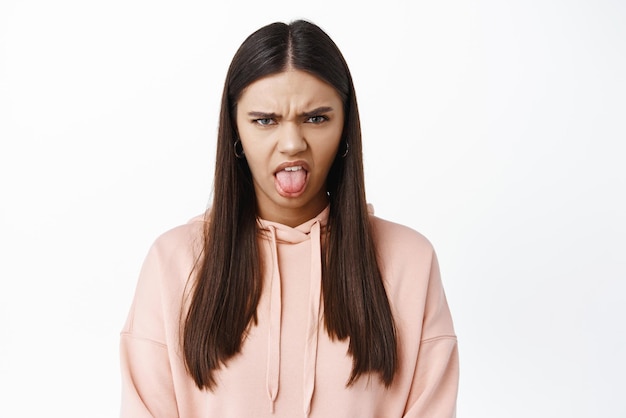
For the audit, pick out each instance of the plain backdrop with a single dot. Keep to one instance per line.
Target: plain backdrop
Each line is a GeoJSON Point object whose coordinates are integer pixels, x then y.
{"type": "Point", "coordinates": [496, 128]}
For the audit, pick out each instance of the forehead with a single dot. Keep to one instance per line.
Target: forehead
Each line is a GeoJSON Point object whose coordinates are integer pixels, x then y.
{"type": "Point", "coordinates": [289, 88]}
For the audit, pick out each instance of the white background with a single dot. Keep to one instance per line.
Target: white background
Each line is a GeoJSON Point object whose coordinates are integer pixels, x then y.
{"type": "Point", "coordinates": [496, 128]}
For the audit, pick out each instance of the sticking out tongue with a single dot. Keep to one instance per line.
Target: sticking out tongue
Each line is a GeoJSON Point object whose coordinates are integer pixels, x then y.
{"type": "Point", "coordinates": [291, 181]}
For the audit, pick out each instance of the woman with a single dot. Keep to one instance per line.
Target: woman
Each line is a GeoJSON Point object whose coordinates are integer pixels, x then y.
{"type": "Point", "coordinates": [288, 298]}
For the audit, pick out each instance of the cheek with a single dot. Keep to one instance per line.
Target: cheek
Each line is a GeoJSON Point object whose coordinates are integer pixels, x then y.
{"type": "Point", "coordinates": [257, 152]}
{"type": "Point", "coordinates": [257, 157]}
{"type": "Point", "coordinates": [329, 147]}
{"type": "Point", "coordinates": [248, 142]}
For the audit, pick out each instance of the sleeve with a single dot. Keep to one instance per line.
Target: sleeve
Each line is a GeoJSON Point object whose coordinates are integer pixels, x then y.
{"type": "Point", "coordinates": [434, 389]}
{"type": "Point", "coordinates": [147, 383]}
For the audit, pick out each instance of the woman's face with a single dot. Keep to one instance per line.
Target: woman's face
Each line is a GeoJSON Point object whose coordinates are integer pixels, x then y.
{"type": "Point", "coordinates": [290, 125]}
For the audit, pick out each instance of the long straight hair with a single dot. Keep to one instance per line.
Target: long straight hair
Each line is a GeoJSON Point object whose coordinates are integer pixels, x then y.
{"type": "Point", "coordinates": [227, 284]}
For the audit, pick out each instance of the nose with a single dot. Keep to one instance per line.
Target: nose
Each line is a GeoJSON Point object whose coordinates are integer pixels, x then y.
{"type": "Point", "coordinates": [291, 140]}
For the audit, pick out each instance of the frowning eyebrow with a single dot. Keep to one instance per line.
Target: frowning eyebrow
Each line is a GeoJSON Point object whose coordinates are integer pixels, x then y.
{"type": "Point", "coordinates": [262, 115]}
{"type": "Point", "coordinates": [314, 112]}
{"type": "Point", "coordinates": [318, 111]}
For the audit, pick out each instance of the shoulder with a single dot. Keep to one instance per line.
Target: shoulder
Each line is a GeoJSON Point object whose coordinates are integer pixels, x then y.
{"type": "Point", "coordinates": [399, 239]}
{"type": "Point", "coordinates": [162, 280]}
{"type": "Point", "coordinates": [170, 260]}
{"type": "Point", "coordinates": [182, 240]}
{"type": "Point", "coordinates": [406, 258]}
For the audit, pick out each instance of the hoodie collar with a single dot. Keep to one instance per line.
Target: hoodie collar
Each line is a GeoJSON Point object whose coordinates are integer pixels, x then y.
{"type": "Point", "coordinates": [293, 235]}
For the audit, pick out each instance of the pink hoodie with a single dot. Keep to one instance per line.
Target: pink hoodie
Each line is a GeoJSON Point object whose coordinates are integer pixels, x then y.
{"type": "Point", "coordinates": [288, 366]}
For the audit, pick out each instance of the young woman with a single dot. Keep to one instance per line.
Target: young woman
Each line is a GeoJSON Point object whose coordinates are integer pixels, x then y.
{"type": "Point", "coordinates": [289, 298]}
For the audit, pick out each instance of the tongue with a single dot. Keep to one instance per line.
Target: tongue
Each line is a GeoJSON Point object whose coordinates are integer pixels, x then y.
{"type": "Point", "coordinates": [291, 181]}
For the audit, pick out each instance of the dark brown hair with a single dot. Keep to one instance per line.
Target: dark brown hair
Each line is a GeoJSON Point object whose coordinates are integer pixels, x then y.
{"type": "Point", "coordinates": [228, 281]}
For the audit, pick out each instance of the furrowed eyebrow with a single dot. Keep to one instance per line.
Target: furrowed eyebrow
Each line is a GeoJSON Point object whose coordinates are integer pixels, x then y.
{"type": "Point", "coordinates": [316, 112]}
{"type": "Point", "coordinates": [262, 115]}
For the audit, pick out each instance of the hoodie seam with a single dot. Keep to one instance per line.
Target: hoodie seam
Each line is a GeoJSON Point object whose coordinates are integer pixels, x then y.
{"type": "Point", "coordinates": [440, 337]}
{"type": "Point", "coordinates": [144, 339]}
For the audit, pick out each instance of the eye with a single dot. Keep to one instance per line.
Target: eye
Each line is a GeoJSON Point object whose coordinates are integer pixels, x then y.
{"type": "Point", "coordinates": [264, 121]}
{"type": "Point", "coordinates": [317, 119]}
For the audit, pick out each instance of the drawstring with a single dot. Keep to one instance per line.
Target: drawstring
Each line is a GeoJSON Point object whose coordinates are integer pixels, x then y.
{"type": "Point", "coordinates": [273, 349]}
{"type": "Point", "coordinates": [313, 322]}
{"type": "Point", "coordinates": [310, 349]}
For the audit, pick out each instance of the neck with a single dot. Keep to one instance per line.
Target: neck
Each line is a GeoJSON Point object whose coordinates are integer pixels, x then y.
{"type": "Point", "coordinates": [292, 217]}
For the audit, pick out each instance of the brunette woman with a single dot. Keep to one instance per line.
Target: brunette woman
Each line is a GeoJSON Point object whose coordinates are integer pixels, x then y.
{"type": "Point", "coordinates": [288, 297]}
